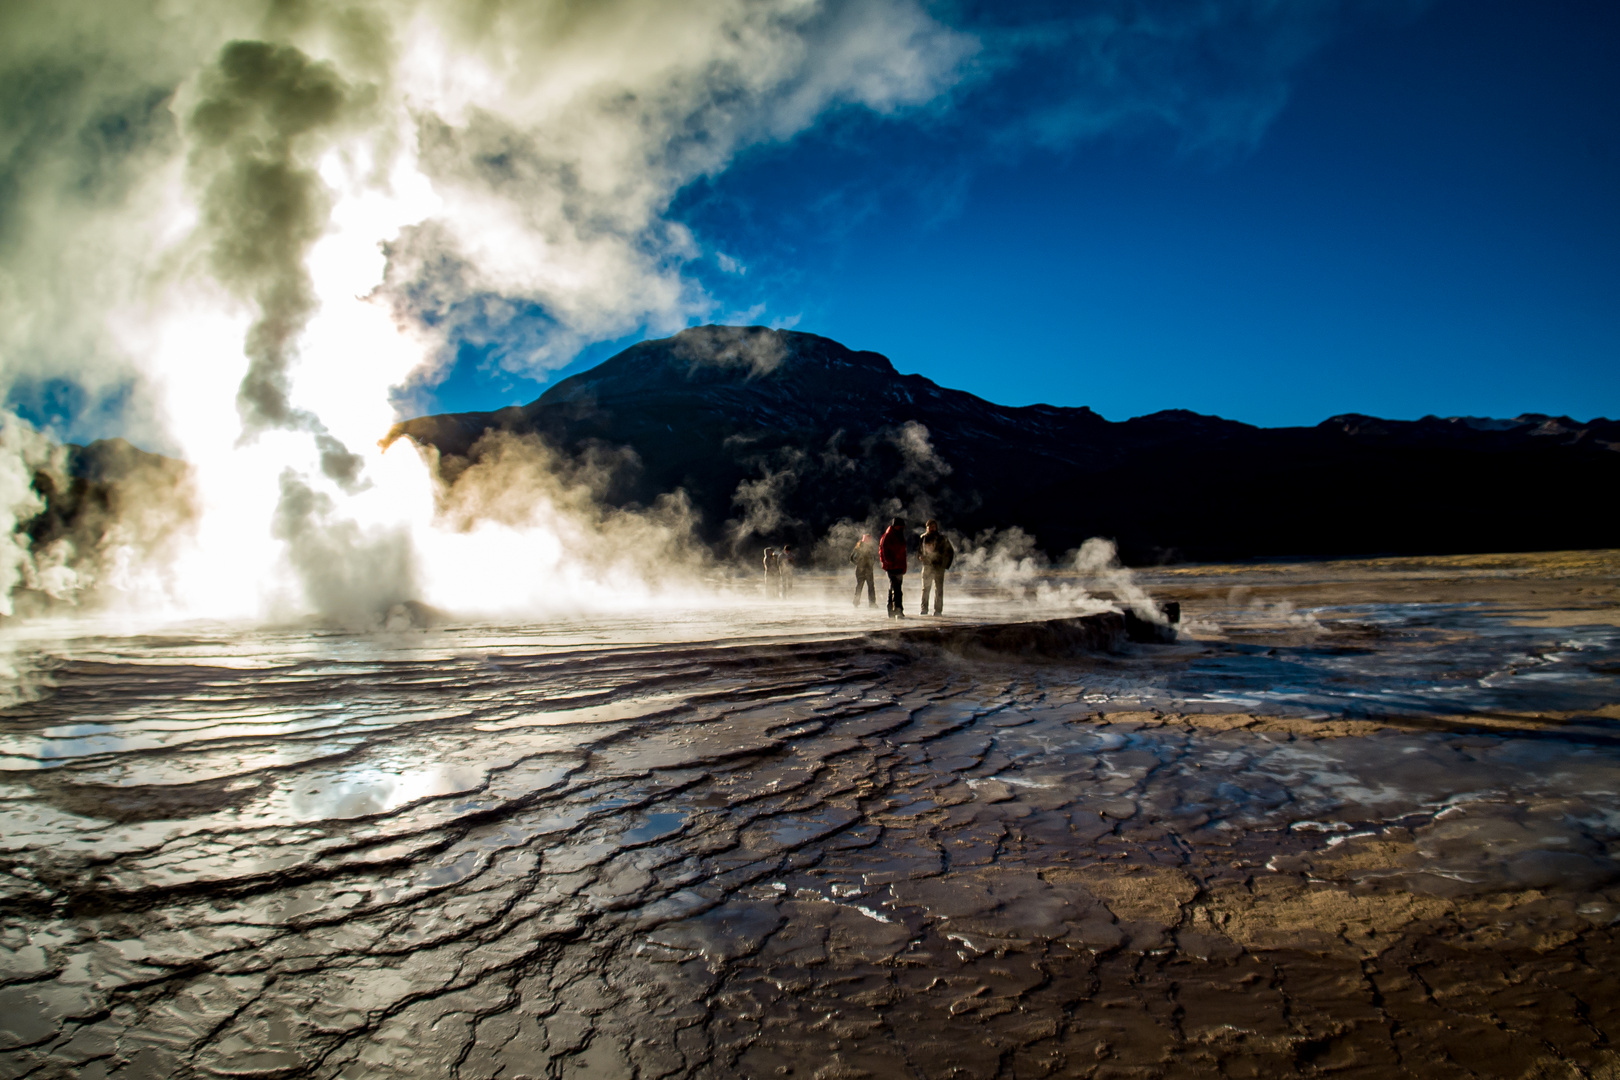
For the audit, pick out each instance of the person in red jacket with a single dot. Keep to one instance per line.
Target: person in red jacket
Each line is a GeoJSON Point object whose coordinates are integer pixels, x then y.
{"type": "Point", "coordinates": [892, 557]}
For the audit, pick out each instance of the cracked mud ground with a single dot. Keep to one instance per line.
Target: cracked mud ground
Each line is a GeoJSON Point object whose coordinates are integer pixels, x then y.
{"type": "Point", "coordinates": [1367, 839]}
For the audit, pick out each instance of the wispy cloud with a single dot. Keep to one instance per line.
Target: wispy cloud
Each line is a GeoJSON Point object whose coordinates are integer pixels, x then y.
{"type": "Point", "coordinates": [1213, 74]}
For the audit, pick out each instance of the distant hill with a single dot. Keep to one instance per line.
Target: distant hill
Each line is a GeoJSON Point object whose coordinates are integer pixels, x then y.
{"type": "Point", "coordinates": [742, 417]}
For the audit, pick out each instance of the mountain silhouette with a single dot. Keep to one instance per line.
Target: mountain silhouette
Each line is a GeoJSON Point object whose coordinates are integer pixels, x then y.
{"type": "Point", "coordinates": [737, 415]}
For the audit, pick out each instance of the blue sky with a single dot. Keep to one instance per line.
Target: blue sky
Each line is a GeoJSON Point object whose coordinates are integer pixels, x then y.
{"type": "Point", "coordinates": [1430, 223]}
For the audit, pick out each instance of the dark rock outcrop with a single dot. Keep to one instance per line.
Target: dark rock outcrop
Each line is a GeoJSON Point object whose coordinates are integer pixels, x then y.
{"type": "Point", "coordinates": [1044, 639]}
{"type": "Point", "coordinates": [739, 415]}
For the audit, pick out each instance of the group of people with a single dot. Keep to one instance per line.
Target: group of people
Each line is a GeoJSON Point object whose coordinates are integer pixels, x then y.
{"type": "Point", "coordinates": [934, 551]}
{"type": "Point", "coordinates": [889, 552]}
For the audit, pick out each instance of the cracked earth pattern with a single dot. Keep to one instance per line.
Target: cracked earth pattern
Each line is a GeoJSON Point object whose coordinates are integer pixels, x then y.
{"type": "Point", "coordinates": [865, 856]}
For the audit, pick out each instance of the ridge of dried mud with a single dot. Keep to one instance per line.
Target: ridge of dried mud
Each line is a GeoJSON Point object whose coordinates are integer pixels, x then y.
{"type": "Point", "coordinates": [933, 853]}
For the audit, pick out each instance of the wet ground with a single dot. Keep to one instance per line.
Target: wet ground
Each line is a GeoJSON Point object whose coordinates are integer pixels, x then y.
{"type": "Point", "coordinates": [1362, 819]}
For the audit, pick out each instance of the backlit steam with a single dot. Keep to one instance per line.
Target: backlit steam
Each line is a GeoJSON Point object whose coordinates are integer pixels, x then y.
{"type": "Point", "coordinates": [310, 207]}
{"type": "Point", "coordinates": [241, 232]}
{"type": "Point", "coordinates": [23, 451]}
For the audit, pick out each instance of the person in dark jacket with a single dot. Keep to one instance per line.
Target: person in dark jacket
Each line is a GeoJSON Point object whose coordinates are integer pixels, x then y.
{"type": "Point", "coordinates": [937, 555]}
{"type": "Point", "coordinates": [892, 557]}
{"type": "Point", "coordinates": [865, 559]}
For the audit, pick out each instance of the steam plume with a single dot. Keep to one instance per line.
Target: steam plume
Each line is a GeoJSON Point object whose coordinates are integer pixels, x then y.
{"type": "Point", "coordinates": [241, 232]}
{"type": "Point", "coordinates": [263, 117]}
{"type": "Point", "coordinates": [1098, 560]}
{"type": "Point", "coordinates": [22, 451]}
{"type": "Point", "coordinates": [760, 352]}
{"type": "Point", "coordinates": [762, 499]}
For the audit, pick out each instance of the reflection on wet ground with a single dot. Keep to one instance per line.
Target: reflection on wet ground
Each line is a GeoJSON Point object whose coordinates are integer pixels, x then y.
{"type": "Point", "coordinates": [1367, 838]}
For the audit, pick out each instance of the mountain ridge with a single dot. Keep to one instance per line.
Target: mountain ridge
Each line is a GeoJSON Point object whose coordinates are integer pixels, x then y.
{"type": "Point", "coordinates": [839, 434]}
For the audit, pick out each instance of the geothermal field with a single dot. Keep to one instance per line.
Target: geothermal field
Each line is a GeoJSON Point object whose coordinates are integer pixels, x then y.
{"type": "Point", "coordinates": [1359, 818]}
{"type": "Point", "coordinates": [401, 402]}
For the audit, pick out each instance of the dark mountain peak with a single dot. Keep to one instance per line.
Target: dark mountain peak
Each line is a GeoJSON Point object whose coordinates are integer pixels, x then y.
{"type": "Point", "coordinates": [1554, 425]}
{"type": "Point", "coordinates": [1172, 414]}
{"type": "Point", "coordinates": [709, 356]}
{"type": "Point", "coordinates": [1185, 420]}
{"type": "Point", "coordinates": [1476, 430]}
{"type": "Point", "coordinates": [760, 351]}
{"type": "Point", "coordinates": [1357, 424]}
{"type": "Point", "coordinates": [1489, 423]}
{"type": "Point", "coordinates": [1043, 409]}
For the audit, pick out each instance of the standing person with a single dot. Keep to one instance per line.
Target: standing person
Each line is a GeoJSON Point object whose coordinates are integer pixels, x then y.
{"type": "Point", "coordinates": [773, 574]}
{"type": "Point", "coordinates": [787, 570]}
{"type": "Point", "coordinates": [892, 557]}
{"type": "Point", "coordinates": [937, 555]}
{"type": "Point", "coordinates": [865, 558]}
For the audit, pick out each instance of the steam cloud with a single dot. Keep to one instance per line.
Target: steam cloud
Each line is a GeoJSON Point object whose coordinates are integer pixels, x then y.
{"type": "Point", "coordinates": [239, 233]}
{"type": "Point", "coordinates": [467, 170]}
{"type": "Point", "coordinates": [22, 452]}
{"type": "Point", "coordinates": [83, 530]}
{"type": "Point", "coordinates": [761, 353]}
{"type": "Point", "coordinates": [923, 465]}
{"type": "Point", "coordinates": [761, 499]}
{"type": "Point", "coordinates": [1098, 559]}
{"type": "Point", "coordinates": [262, 118]}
